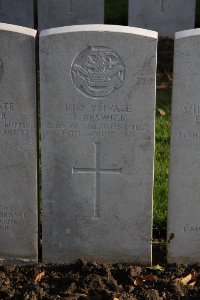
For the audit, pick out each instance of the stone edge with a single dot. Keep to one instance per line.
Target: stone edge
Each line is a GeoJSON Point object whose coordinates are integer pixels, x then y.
{"type": "Point", "coordinates": [18, 262]}
{"type": "Point", "coordinates": [187, 33]}
{"type": "Point", "coordinates": [100, 28]}
{"type": "Point", "coordinates": [18, 29]}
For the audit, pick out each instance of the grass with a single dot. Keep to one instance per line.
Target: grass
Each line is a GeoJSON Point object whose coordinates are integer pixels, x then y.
{"type": "Point", "coordinates": [161, 166]}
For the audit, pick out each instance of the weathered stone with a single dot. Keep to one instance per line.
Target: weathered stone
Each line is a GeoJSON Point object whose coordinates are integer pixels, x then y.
{"type": "Point", "coordinates": [18, 12]}
{"type": "Point", "coordinates": [59, 13]}
{"type": "Point", "coordinates": [164, 16]}
{"type": "Point", "coordinates": [97, 111]}
{"type": "Point", "coordinates": [184, 199]}
{"type": "Point", "coordinates": [18, 146]}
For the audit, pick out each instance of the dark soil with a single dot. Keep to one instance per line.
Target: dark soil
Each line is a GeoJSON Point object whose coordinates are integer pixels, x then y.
{"type": "Point", "coordinates": [165, 63]}
{"type": "Point", "coordinates": [165, 55]}
{"type": "Point", "coordinates": [96, 281]}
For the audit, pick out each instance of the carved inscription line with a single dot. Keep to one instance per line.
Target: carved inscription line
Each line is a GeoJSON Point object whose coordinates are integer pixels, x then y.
{"type": "Point", "coordinates": [97, 171]}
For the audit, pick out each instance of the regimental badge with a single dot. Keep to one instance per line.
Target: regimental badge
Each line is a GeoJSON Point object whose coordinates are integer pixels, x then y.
{"type": "Point", "coordinates": [97, 72]}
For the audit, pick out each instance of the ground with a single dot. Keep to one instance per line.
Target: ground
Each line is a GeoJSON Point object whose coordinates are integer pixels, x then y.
{"type": "Point", "coordinates": [95, 281]}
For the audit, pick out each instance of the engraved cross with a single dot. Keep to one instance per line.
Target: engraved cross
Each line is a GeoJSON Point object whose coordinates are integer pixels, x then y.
{"type": "Point", "coordinates": [1, 11]}
{"type": "Point", "coordinates": [162, 5]}
{"type": "Point", "coordinates": [70, 6]}
{"type": "Point", "coordinates": [97, 171]}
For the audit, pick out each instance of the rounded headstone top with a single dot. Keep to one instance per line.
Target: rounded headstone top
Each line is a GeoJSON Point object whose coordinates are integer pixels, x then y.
{"type": "Point", "coordinates": [17, 29]}
{"type": "Point", "coordinates": [100, 28]}
{"type": "Point", "coordinates": [187, 33]}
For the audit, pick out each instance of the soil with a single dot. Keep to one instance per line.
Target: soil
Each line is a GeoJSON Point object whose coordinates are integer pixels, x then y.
{"type": "Point", "coordinates": [96, 281]}
{"type": "Point", "coordinates": [165, 63]}
{"type": "Point", "coordinates": [165, 55]}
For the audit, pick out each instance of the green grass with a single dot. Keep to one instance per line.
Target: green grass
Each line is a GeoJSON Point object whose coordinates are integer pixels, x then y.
{"type": "Point", "coordinates": [161, 167]}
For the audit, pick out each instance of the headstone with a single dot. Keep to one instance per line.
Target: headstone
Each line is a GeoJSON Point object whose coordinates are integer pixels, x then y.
{"type": "Point", "coordinates": [57, 13]}
{"type": "Point", "coordinates": [164, 16]}
{"type": "Point", "coordinates": [97, 111]}
{"type": "Point", "coordinates": [18, 146]}
{"type": "Point", "coordinates": [18, 12]}
{"type": "Point", "coordinates": [184, 200]}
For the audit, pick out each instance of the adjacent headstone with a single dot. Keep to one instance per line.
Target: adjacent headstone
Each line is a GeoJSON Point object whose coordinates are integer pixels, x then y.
{"type": "Point", "coordinates": [164, 16]}
{"type": "Point", "coordinates": [184, 199]}
{"type": "Point", "coordinates": [18, 146]}
{"type": "Point", "coordinates": [18, 12]}
{"type": "Point", "coordinates": [57, 13]}
{"type": "Point", "coordinates": [97, 111]}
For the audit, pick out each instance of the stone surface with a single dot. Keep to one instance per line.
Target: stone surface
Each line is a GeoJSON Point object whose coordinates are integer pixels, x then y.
{"type": "Point", "coordinates": [18, 12]}
{"type": "Point", "coordinates": [164, 16]}
{"type": "Point", "coordinates": [184, 199]}
{"type": "Point", "coordinates": [18, 146]}
{"type": "Point", "coordinates": [97, 109]}
{"type": "Point", "coordinates": [57, 13]}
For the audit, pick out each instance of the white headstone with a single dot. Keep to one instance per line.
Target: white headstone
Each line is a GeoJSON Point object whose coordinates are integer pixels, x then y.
{"type": "Point", "coordinates": [18, 146]}
{"type": "Point", "coordinates": [97, 110]}
{"type": "Point", "coordinates": [18, 12]}
{"type": "Point", "coordinates": [57, 13]}
{"type": "Point", "coordinates": [164, 16]}
{"type": "Point", "coordinates": [184, 199]}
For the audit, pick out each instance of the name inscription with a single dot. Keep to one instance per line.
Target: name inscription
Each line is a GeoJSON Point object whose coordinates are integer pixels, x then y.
{"type": "Point", "coordinates": [99, 120]}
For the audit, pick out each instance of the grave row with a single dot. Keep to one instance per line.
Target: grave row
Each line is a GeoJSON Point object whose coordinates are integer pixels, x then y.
{"type": "Point", "coordinates": [97, 101]}
{"type": "Point", "coordinates": [164, 16]}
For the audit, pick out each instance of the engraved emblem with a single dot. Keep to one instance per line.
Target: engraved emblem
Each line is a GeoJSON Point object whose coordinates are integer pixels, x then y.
{"type": "Point", "coordinates": [1, 70]}
{"type": "Point", "coordinates": [97, 71]}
